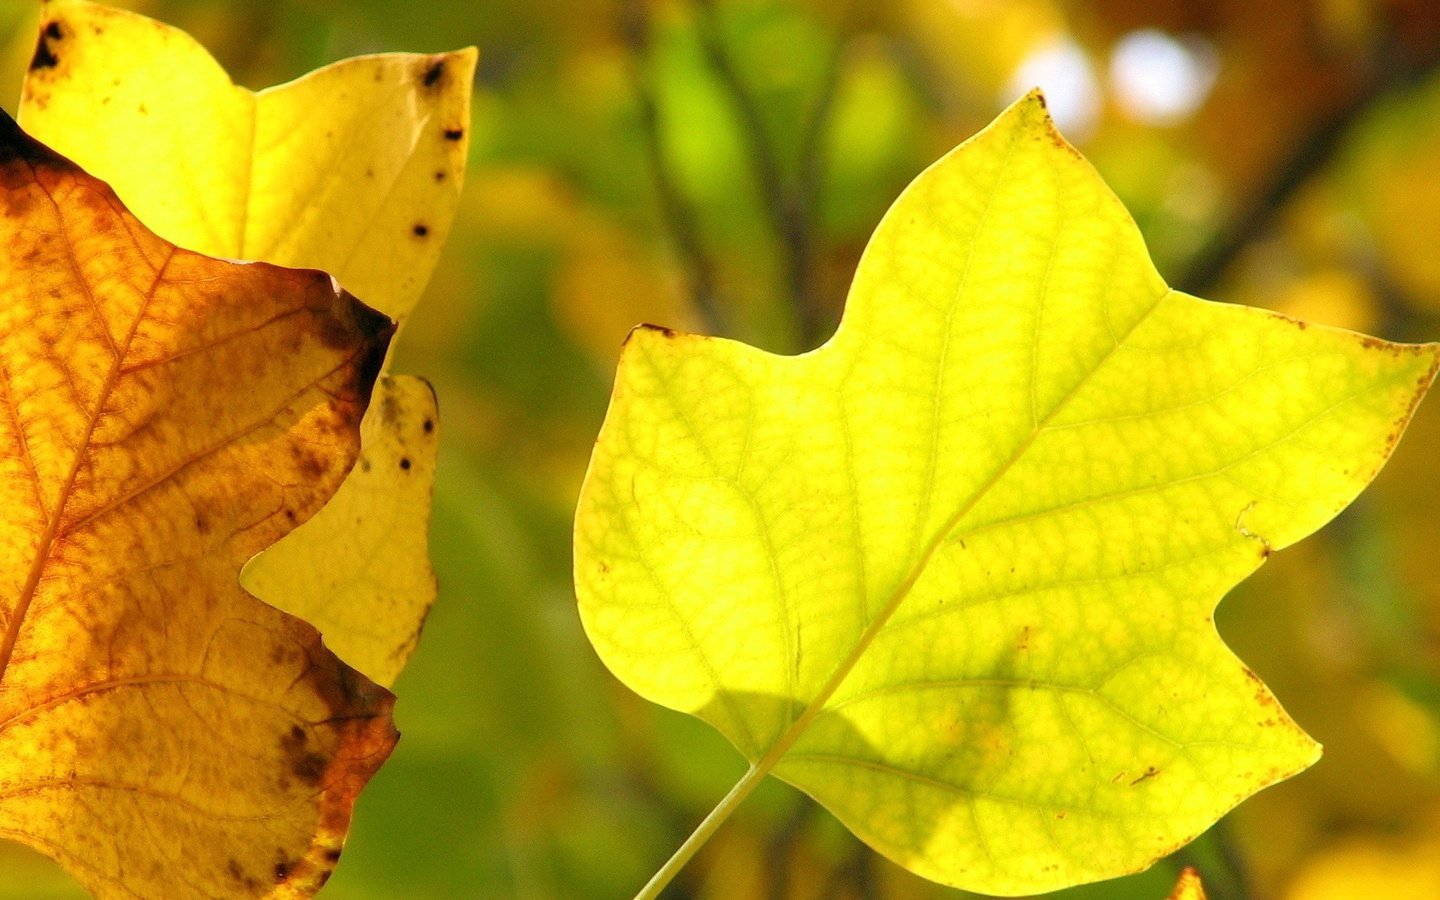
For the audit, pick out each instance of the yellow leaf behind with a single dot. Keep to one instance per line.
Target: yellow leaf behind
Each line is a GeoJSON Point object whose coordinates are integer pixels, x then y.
{"type": "Point", "coordinates": [354, 169]}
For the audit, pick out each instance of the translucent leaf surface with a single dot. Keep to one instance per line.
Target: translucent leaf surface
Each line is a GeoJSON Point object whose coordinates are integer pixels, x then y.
{"type": "Point", "coordinates": [952, 574]}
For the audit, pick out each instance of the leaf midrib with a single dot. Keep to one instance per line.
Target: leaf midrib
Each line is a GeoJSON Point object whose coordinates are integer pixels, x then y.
{"type": "Point", "coordinates": [843, 669]}
{"type": "Point", "coordinates": [52, 527]}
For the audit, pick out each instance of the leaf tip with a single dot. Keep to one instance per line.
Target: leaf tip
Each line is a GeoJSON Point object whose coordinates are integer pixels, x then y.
{"type": "Point", "coordinates": [1189, 886]}
{"type": "Point", "coordinates": [1032, 113]}
{"type": "Point", "coordinates": [646, 331]}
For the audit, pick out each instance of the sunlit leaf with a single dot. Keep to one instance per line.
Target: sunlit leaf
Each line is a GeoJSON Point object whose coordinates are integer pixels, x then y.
{"type": "Point", "coordinates": [163, 416]}
{"type": "Point", "coordinates": [953, 573]}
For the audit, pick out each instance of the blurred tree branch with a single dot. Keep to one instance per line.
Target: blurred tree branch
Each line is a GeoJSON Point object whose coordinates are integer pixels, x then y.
{"type": "Point", "coordinates": [674, 209]}
{"type": "Point", "coordinates": [789, 203]}
{"type": "Point", "coordinates": [1393, 70]}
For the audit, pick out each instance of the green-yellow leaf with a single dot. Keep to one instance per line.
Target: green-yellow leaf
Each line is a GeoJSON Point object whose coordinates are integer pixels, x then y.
{"type": "Point", "coordinates": [952, 574]}
{"type": "Point", "coordinates": [354, 169]}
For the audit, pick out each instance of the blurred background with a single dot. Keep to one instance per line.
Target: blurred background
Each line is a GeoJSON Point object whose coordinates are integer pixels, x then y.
{"type": "Point", "coordinates": [717, 165]}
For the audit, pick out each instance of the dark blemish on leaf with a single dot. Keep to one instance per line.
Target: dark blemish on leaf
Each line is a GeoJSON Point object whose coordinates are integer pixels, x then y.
{"type": "Point", "coordinates": [1149, 773]}
{"type": "Point", "coordinates": [429, 425]}
{"type": "Point", "coordinates": [45, 57]}
{"type": "Point", "coordinates": [289, 515]}
{"type": "Point", "coordinates": [364, 464]}
{"type": "Point", "coordinates": [432, 74]}
{"type": "Point", "coordinates": [310, 464]}
{"type": "Point", "coordinates": [1060, 814]}
{"type": "Point", "coordinates": [304, 765]}
{"type": "Point", "coordinates": [1040, 99]}
{"type": "Point", "coordinates": [369, 172]}
{"type": "Point", "coordinates": [421, 229]}
{"type": "Point", "coordinates": [202, 523]}
{"type": "Point", "coordinates": [332, 855]}
{"type": "Point", "coordinates": [454, 134]}
{"type": "Point", "coordinates": [233, 868]}
{"type": "Point", "coordinates": [439, 176]}
{"type": "Point", "coordinates": [1024, 643]}
{"type": "Point", "coordinates": [350, 319]}
{"type": "Point", "coordinates": [309, 768]}
{"type": "Point", "coordinates": [282, 870]}
{"type": "Point", "coordinates": [405, 463]}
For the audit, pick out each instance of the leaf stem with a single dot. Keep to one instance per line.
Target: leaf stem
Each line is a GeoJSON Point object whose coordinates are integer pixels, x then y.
{"type": "Point", "coordinates": [707, 827]}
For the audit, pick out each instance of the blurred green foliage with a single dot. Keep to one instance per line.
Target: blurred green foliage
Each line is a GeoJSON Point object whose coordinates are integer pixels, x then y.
{"type": "Point", "coordinates": [718, 166]}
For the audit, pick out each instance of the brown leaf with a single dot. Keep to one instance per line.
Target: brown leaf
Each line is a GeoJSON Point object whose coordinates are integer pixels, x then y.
{"type": "Point", "coordinates": [163, 417]}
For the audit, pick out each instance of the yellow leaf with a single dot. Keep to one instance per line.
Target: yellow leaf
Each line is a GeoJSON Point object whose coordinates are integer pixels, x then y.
{"type": "Point", "coordinates": [1189, 887]}
{"type": "Point", "coordinates": [354, 169]}
{"type": "Point", "coordinates": [163, 416]}
{"type": "Point", "coordinates": [367, 581]}
{"type": "Point", "coordinates": [953, 573]}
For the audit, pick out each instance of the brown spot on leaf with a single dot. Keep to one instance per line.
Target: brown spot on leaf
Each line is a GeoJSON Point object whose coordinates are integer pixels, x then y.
{"type": "Point", "coordinates": [405, 463]}
{"type": "Point", "coordinates": [1149, 773]}
{"type": "Point", "coordinates": [305, 764]}
{"type": "Point", "coordinates": [454, 134]}
{"type": "Point", "coordinates": [433, 74]}
{"type": "Point", "coordinates": [429, 426]}
{"type": "Point", "coordinates": [45, 56]}
{"type": "Point", "coordinates": [421, 229]}
{"type": "Point", "coordinates": [310, 464]}
{"type": "Point", "coordinates": [439, 175]}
